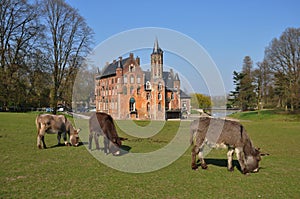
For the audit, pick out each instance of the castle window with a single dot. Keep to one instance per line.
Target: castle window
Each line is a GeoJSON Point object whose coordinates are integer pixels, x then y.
{"type": "Point", "coordinates": [138, 79]}
{"type": "Point", "coordinates": [131, 79]}
{"type": "Point", "coordinates": [132, 104]}
{"type": "Point", "coordinates": [159, 86]}
{"type": "Point", "coordinates": [124, 90]}
{"type": "Point", "coordinates": [148, 85]}
{"type": "Point", "coordinates": [131, 68]}
{"type": "Point", "coordinates": [131, 90]}
{"type": "Point", "coordinates": [148, 107]}
{"type": "Point", "coordinates": [125, 79]}
{"type": "Point", "coordinates": [148, 96]}
{"type": "Point", "coordinates": [159, 106]}
{"type": "Point", "coordinates": [167, 105]}
{"type": "Point", "coordinates": [112, 104]}
{"type": "Point", "coordinates": [138, 90]}
{"type": "Point", "coordinates": [159, 96]}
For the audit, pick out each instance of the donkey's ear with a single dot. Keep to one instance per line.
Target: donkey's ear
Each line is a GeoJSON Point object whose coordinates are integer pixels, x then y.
{"type": "Point", "coordinates": [78, 130]}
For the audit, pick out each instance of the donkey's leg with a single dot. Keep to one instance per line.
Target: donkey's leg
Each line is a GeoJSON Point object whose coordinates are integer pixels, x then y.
{"type": "Point", "coordinates": [40, 136]}
{"type": "Point", "coordinates": [241, 158]}
{"type": "Point", "coordinates": [201, 158]}
{"type": "Point", "coordinates": [90, 140]}
{"type": "Point", "coordinates": [106, 145]}
{"type": "Point", "coordinates": [96, 137]}
{"type": "Point", "coordinates": [43, 140]}
{"type": "Point", "coordinates": [58, 138]}
{"type": "Point", "coordinates": [38, 141]}
{"type": "Point", "coordinates": [229, 156]}
{"type": "Point", "coordinates": [64, 134]}
{"type": "Point", "coordinates": [195, 150]}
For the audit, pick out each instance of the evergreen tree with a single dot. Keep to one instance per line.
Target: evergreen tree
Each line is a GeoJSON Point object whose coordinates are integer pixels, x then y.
{"type": "Point", "coordinates": [244, 96]}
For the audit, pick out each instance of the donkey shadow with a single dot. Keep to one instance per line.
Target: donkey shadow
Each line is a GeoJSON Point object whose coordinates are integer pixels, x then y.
{"type": "Point", "coordinates": [220, 163]}
{"type": "Point", "coordinates": [124, 149]}
{"type": "Point", "coordinates": [63, 145]}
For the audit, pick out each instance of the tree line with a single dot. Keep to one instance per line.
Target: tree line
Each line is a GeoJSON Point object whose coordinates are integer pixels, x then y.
{"type": "Point", "coordinates": [42, 46]}
{"type": "Point", "coordinates": [275, 82]}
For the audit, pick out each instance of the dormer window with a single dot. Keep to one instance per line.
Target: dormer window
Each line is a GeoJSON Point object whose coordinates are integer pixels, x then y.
{"type": "Point", "coordinates": [131, 68]}
{"type": "Point", "coordinates": [148, 85]}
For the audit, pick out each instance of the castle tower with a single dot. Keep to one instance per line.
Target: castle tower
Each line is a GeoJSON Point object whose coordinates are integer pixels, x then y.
{"type": "Point", "coordinates": [156, 61]}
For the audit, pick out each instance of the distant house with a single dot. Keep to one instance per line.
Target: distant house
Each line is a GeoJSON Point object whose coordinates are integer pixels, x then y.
{"type": "Point", "coordinates": [125, 91]}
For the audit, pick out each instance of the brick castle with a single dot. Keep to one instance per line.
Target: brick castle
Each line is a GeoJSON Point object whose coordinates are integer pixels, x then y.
{"type": "Point", "coordinates": [125, 91]}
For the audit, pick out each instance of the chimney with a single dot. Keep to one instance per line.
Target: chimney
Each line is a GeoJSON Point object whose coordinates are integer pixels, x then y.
{"type": "Point", "coordinates": [137, 60]}
{"type": "Point", "coordinates": [172, 73]}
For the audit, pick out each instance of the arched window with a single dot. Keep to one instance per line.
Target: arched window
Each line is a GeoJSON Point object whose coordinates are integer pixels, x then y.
{"type": "Point", "coordinates": [159, 86]}
{"type": "Point", "coordinates": [131, 90]}
{"type": "Point", "coordinates": [148, 96]}
{"type": "Point", "coordinates": [148, 85]}
{"type": "Point", "coordinates": [159, 106]}
{"type": "Point", "coordinates": [132, 104]}
{"type": "Point", "coordinates": [124, 90]}
{"type": "Point", "coordinates": [159, 96]}
{"type": "Point", "coordinates": [148, 107]}
{"type": "Point", "coordinates": [138, 90]}
{"type": "Point", "coordinates": [138, 79]}
{"type": "Point", "coordinates": [132, 68]}
{"type": "Point", "coordinates": [131, 79]}
{"type": "Point", "coordinates": [125, 79]}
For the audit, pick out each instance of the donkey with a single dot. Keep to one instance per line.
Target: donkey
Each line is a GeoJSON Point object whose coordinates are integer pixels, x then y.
{"type": "Point", "coordinates": [220, 133]}
{"type": "Point", "coordinates": [55, 124]}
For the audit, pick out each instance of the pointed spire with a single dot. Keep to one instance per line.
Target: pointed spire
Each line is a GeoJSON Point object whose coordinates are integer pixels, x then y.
{"type": "Point", "coordinates": [156, 48]}
{"type": "Point", "coordinates": [176, 77]}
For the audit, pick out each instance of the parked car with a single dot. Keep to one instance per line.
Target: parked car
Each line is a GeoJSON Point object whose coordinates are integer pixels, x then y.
{"type": "Point", "coordinates": [49, 110]}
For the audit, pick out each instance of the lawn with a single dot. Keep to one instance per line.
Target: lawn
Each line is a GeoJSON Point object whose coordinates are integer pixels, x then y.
{"type": "Point", "coordinates": [72, 172]}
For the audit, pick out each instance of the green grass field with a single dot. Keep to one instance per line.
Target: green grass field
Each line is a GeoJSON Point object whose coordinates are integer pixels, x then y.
{"type": "Point", "coordinates": [70, 172]}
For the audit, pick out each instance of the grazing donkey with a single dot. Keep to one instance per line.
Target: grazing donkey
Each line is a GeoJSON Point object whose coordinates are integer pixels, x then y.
{"type": "Point", "coordinates": [220, 133]}
{"type": "Point", "coordinates": [103, 124]}
{"type": "Point", "coordinates": [55, 124]}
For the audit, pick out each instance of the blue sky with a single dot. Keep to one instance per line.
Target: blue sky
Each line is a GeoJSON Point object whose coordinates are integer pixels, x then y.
{"type": "Point", "coordinates": [227, 30]}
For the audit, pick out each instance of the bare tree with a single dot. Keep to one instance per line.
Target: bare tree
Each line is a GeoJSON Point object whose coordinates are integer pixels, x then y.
{"type": "Point", "coordinates": [283, 57]}
{"type": "Point", "coordinates": [69, 40]}
{"type": "Point", "coordinates": [263, 81]}
{"type": "Point", "coordinates": [19, 30]}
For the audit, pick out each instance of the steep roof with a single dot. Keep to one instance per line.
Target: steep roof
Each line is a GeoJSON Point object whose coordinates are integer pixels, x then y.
{"type": "Point", "coordinates": [147, 76]}
{"type": "Point", "coordinates": [110, 69]}
{"type": "Point", "coordinates": [183, 95]}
